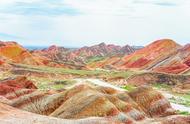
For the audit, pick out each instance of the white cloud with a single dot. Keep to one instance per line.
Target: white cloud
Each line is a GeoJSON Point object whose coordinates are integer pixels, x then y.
{"type": "Point", "coordinates": [113, 21]}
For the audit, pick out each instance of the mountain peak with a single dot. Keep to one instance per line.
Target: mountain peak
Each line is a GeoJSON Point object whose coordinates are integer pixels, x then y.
{"type": "Point", "coordinates": [52, 48]}
{"type": "Point", "coordinates": [102, 44]}
{"type": "Point", "coordinates": [164, 42]}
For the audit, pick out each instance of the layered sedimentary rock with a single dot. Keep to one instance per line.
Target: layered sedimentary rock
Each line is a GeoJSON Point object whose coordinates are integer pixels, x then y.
{"type": "Point", "coordinates": [78, 58]}
{"type": "Point", "coordinates": [160, 56]}
{"type": "Point", "coordinates": [179, 83]}
{"type": "Point", "coordinates": [143, 105]}
{"type": "Point", "coordinates": [152, 102]}
{"type": "Point", "coordinates": [151, 55]}
{"type": "Point", "coordinates": [177, 63]}
{"type": "Point", "coordinates": [10, 115]}
{"type": "Point", "coordinates": [15, 53]}
{"type": "Point", "coordinates": [10, 86]}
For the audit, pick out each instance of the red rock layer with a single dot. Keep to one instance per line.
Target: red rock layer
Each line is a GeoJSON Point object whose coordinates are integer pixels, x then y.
{"type": "Point", "coordinates": [177, 63]}
{"type": "Point", "coordinates": [161, 56]}
{"type": "Point", "coordinates": [15, 53]}
{"type": "Point", "coordinates": [83, 101]}
{"type": "Point", "coordinates": [78, 58]}
{"type": "Point", "coordinates": [12, 85]}
{"type": "Point", "coordinates": [151, 55]}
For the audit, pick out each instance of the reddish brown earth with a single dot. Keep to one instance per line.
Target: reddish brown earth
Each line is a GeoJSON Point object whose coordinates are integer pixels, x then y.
{"type": "Point", "coordinates": [10, 115]}
{"type": "Point", "coordinates": [178, 83]}
{"type": "Point", "coordinates": [1, 62]}
{"type": "Point", "coordinates": [160, 56]}
{"type": "Point", "coordinates": [177, 63]}
{"type": "Point", "coordinates": [106, 105]}
{"type": "Point", "coordinates": [102, 50]}
{"type": "Point", "coordinates": [151, 55]}
{"type": "Point", "coordinates": [146, 57]}
{"type": "Point", "coordinates": [78, 58]}
{"type": "Point", "coordinates": [11, 85]}
{"type": "Point", "coordinates": [15, 53]}
{"type": "Point", "coordinates": [107, 63]}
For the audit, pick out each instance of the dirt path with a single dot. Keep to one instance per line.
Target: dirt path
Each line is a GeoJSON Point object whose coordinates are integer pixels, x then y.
{"type": "Point", "coordinates": [99, 83]}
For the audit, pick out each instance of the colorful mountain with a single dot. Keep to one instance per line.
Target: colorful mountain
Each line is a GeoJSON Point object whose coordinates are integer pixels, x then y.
{"type": "Point", "coordinates": [143, 105]}
{"type": "Point", "coordinates": [12, 52]}
{"type": "Point", "coordinates": [177, 63]}
{"type": "Point", "coordinates": [107, 63]}
{"type": "Point", "coordinates": [17, 54]}
{"type": "Point", "coordinates": [102, 50]}
{"type": "Point", "coordinates": [78, 58]}
{"type": "Point", "coordinates": [161, 56]}
{"type": "Point", "coordinates": [151, 55]}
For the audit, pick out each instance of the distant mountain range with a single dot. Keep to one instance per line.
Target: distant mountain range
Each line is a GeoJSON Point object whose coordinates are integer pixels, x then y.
{"type": "Point", "coordinates": [161, 56]}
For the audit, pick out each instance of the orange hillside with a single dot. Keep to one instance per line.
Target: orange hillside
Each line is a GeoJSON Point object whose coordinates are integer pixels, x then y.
{"type": "Point", "coordinates": [151, 55]}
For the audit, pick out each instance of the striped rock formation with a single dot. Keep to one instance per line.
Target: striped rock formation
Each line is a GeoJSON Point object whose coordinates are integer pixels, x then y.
{"type": "Point", "coordinates": [177, 63]}
{"type": "Point", "coordinates": [163, 55]}
{"type": "Point", "coordinates": [10, 86]}
{"type": "Point", "coordinates": [178, 83]}
{"type": "Point", "coordinates": [10, 115]}
{"type": "Point", "coordinates": [143, 59]}
{"type": "Point", "coordinates": [12, 52]}
{"type": "Point", "coordinates": [143, 105]}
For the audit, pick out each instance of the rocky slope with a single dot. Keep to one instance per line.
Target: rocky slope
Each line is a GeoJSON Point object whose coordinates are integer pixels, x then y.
{"type": "Point", "coordinates": [143, 105]}
{"type": "Point", "coordinates": [177, 63]}
{"type": "Point", "coordinates": [151, 55]}
{"type": "Point", "coordinates": [79, 57]}
{"type": "Point", "coordinates": [181, 83]}
{"type": "Point", "coordinates": [161, 56]}
{"type": "Point", "coordinates": [11, 52]}
{"type": "Point", "coordinates": [10, 115]}
{"type": "Point", "coordinates": [16, 53]}
{"type": "Point", "coordinates": [102, 50]}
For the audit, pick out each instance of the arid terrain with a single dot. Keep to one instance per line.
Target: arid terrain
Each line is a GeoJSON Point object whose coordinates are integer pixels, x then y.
{"type": "Point", "coordinates": [99, 84]}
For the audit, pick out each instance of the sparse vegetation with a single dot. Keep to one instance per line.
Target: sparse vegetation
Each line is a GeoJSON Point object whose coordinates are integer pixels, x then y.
{"type": "Point", "coordinates": [95, 59]}
{"type": "Point", "coordinates": [82, 73]}
{"type": "Point", "coordinates": [182, 99]}
{"type": "Point", "coordinates": [124, 74]}
{"type": "Point", "coordinates": [161, 86]}
{"type": "Point", "coordinates": [183, 112]}
{"type": "Point", "coordinates": [129, 87]}
{"type": "Point", "coordinates": [60, 70]}
{"type": "Point", "coordinates": [51, 83]}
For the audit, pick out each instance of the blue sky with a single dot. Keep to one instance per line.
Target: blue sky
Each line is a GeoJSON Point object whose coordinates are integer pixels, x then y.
{"type": "Point", "coordinates": [87, 22]}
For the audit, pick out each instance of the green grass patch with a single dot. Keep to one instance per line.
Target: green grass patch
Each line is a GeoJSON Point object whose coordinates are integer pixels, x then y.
{"type": "Point", "coordinates": [51, 83]}
{"type": "Point", "coordinates": [57, 87]}
{"type": "Point", "coordinates": [182, 99]}
{"type": "Point", "coordinates": [121, 74]}
{"type": "Point", "coordinates": [95, 59]}
{"type": "Point", "coordinates": [60, 70]}
{"type": "Point", "coordinates": [183, 112]}
{"type": "Point", "coordinates": [161, 86]}
{"type": "Point", "coordinates": [129, 87]}
{"type": "Point", "coordinates": [82, 73]}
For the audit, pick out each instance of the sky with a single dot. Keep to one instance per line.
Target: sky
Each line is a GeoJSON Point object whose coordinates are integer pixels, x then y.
{"type": "Point", "coordinates": [77, 23]}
